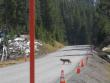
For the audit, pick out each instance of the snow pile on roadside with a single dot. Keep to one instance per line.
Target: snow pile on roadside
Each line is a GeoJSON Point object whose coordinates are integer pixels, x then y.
{"type": "Point", "coordinates": [106, 49]}
{"type": "Point", "coordinates": [21, 46]}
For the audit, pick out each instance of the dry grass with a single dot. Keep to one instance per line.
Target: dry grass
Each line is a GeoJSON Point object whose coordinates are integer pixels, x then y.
{"type": "Point", "coordinates": [7, 63]}
{"type": "Point", "coordinates": [12, 62]}
{"type": "Point", "coordinates": [50, 48]}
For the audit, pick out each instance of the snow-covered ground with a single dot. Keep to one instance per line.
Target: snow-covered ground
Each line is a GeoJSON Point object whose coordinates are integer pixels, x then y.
{"type": "Point", "coordinates": [48, 68]}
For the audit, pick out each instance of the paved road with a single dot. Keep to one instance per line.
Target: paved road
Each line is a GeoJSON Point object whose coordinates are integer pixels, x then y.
{"type": "Point", "coordinates": [48, 68]}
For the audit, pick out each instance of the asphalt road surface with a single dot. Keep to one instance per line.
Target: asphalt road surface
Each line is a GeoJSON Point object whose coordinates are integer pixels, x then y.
{"type": "Point", "coordinates": [48, 68]}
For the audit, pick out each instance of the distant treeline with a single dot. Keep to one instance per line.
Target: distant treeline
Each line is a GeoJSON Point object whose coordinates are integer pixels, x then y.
{"type": "Point", "coordinates": [66, 21]}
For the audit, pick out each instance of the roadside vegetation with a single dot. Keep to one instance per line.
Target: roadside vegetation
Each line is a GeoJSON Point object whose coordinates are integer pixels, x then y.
{"type": "Point", "coordinates": [59, 22]}
{"type": "Point", "coordinates": [65, 21]}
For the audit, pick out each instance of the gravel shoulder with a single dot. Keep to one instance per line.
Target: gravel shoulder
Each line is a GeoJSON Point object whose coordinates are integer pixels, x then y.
{"type": "Point", "coordinates": [97, 70]}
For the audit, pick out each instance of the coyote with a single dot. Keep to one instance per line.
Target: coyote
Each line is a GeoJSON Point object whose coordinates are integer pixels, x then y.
{"type": "Point", "coordinates": [65, 60]}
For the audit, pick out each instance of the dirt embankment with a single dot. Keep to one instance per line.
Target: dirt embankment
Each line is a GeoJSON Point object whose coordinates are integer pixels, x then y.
{"type": "Point", "coordinates": [97, 70]}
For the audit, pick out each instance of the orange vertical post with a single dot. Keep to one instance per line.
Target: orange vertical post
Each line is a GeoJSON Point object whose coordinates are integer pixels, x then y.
{"type": "Point", "coordinates": [82, 63]}
{"type": "Point", "coordinates": [62, 79]}
{"type": "Point", "coordinates": [78, 70]}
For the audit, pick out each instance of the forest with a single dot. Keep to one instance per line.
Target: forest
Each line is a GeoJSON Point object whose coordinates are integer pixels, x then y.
{"type": "Point", "coordinates": [67, 21]}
